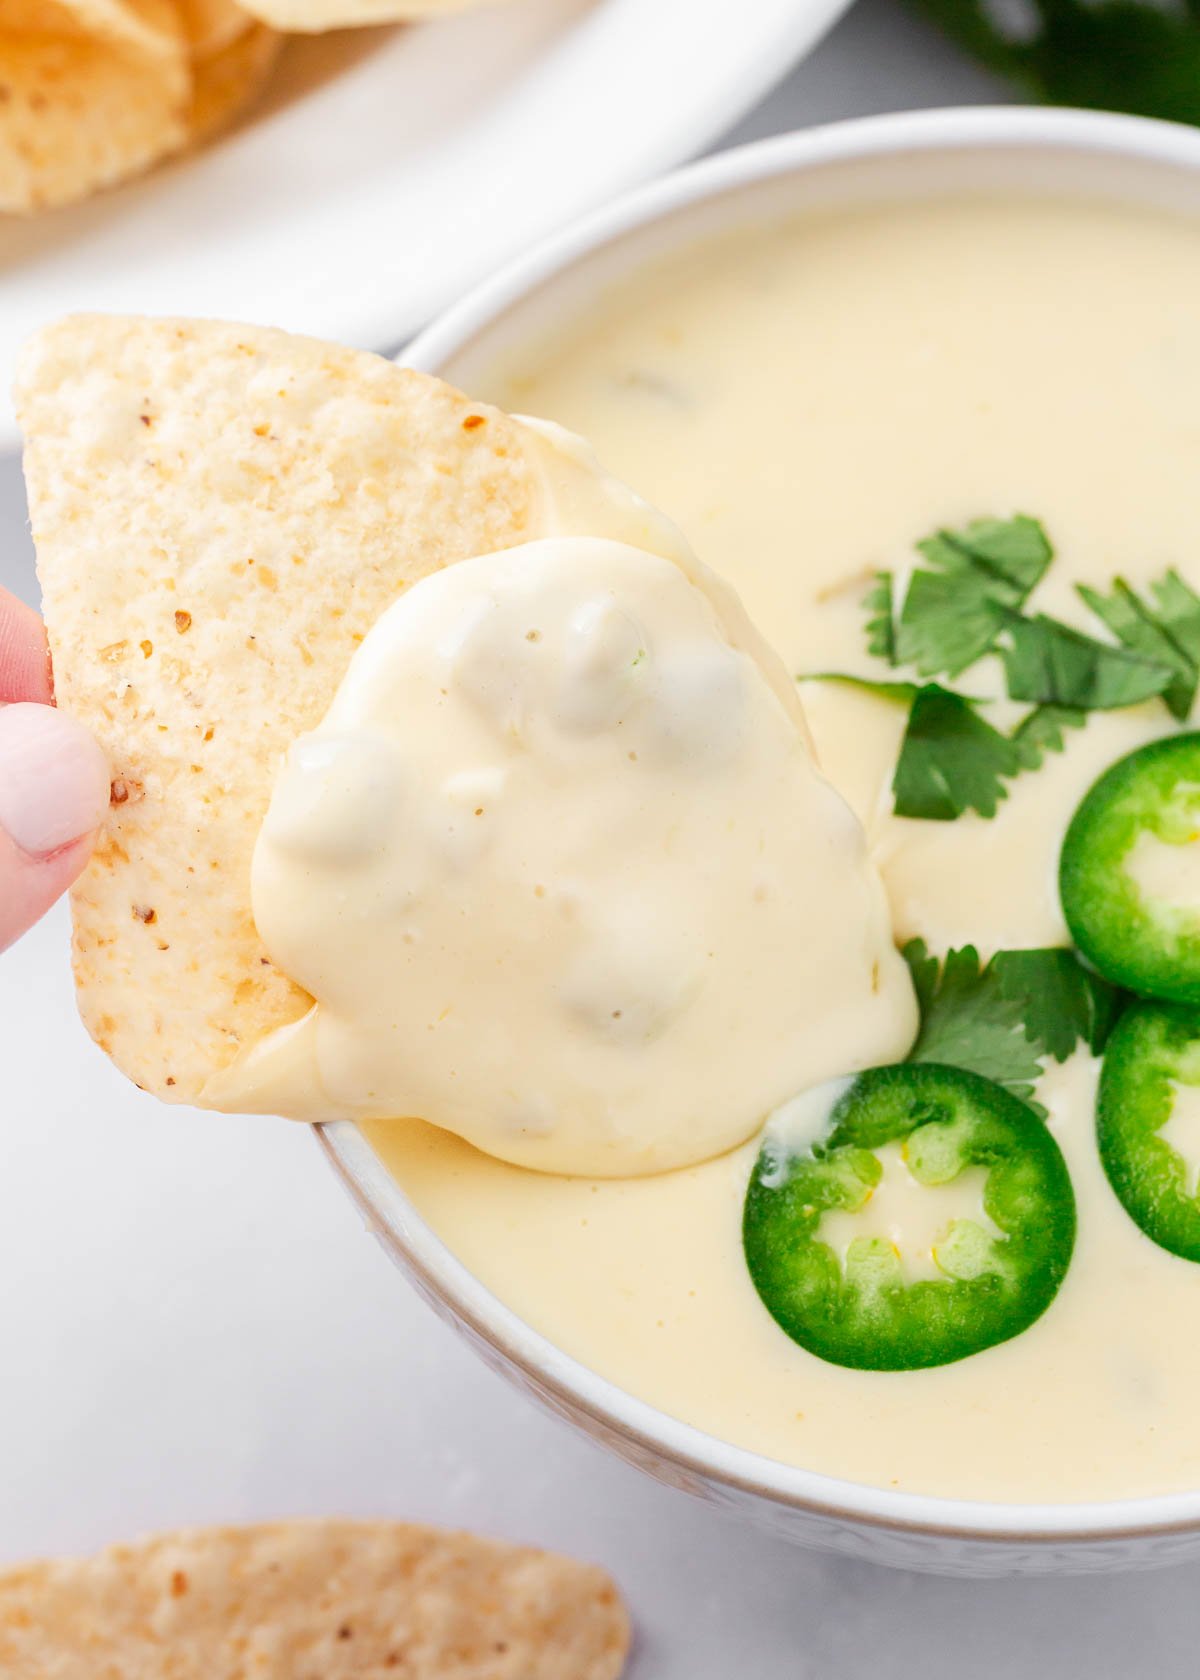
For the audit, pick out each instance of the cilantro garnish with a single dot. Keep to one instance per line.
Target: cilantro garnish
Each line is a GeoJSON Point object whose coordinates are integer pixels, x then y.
{"type": "Point", "coordinates": [1062, 1002]}
{"type": "Point", "coordinates": [967, 1022]}
{"type": "Point", "coordinates": [1041, 731]}
{"type": "Point", "coordinates": [951, 759]}
{"type": "Point", "coordinates": [954, 612]}
{"type": "Point", "coordinates": [1167, 633]}
{"type": "Point", "coordinates": [884, 690]}
{"type": "Point", "coordinates": [966, 603]}
{"type": "Point", "coordinates": [1003, 1019]}
{"type": "Point", "coordinates": [1052, 664]}
{"type": "Point", "coordinates": [881, 624]}
{"type": "Point", "coordinates": [1177, 611]}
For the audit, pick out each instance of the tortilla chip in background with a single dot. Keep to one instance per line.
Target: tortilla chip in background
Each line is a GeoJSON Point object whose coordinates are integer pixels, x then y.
{"type": "Point", "coordinates": [80, 112]}
{"type": "Point", "coordinates": [211, 25]}
{"type": "Point", "coordinates": [221, 513]}
{"type": "Point", "coordinates": [227, 80]}
{"type": "Point", "coordinates": [314, 16]}
{"type": "Point", "coordinates": [154, 26]}
{"type": "Point", "coordinates": [297, 1600]}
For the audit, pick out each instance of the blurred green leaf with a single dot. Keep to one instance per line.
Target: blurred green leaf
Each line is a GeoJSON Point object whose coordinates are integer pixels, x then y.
{"type": "Point", "coordinates": [1141, 56]}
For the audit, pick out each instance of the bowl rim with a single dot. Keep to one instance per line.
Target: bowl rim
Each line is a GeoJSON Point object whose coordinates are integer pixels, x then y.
{"type": "Point", "coordinates": [574, 1387]}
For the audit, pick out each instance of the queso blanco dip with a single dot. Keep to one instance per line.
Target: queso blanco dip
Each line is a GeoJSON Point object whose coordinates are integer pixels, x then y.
{"type": "Point", "coordinates": [806, 402]}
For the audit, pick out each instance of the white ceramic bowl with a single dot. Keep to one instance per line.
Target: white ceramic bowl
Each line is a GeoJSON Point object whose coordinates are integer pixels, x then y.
{"type": "Point", "coordinates": [890, 158]}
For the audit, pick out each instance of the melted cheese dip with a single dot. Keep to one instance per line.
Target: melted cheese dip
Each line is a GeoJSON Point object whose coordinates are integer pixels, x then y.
{"type": "Point", "coordinates": [562, 876]}
{"type": "Point", "coordinates": [806, 402]}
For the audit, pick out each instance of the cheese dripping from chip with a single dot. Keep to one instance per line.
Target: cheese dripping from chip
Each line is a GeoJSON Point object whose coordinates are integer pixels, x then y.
{"type": "Point", "coordinates": [563, 877]}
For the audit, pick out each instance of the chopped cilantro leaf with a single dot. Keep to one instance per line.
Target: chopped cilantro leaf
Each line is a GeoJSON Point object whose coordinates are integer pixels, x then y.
{"type": "Point", "coordinates": [966, 602]}
{"type": "Point", "coordinates": [968, 1022]}
{"type": "Point", "coordinates": [905, 691]}
{"type": "Point", "coordinates": [953, 613]}
{"type": "Point", "coordinates": [1041, 731]}
{"type": "Point", "coordinates": [924, 970]}
{"type": "Point", "coordinates": [1050, 663]}
{"type": "Point", "coordinates": [946, 623]}
{"type": "Point", "coordinates": [881, 625]}
{"type": "Point", "coordinates": [1002, 1020]}
{"type": "Point", "coordinates": [951, 760]}
{"type": "Point", "coordinates": [1062, 1002]}
{"type": "Point", "coordinates": [1014, 553]}
{"type": "Point", "coordinates": [1136, 626]}
{"type": "Point", "coordinates": [1177, 609]}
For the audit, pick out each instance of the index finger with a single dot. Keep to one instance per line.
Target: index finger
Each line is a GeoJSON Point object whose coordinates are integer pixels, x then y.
{"type": "Point", "coordinates": [24, 657]}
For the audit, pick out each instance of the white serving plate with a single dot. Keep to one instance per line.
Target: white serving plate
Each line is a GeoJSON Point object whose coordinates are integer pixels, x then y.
{"type": "Point", "coordinates": [899, 158]}
{"type": "Point", "coordinates": [388, 170]}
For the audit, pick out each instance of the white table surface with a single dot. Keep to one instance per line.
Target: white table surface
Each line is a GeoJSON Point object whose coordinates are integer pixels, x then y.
{"type": "Point", "coordinates": [195, 1328]}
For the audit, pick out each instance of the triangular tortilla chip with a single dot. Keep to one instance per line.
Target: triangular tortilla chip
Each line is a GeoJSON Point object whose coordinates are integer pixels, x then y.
{"type": "Point", "coordinates": [80, 112]}
{"type": "Point", "coordinates": [292, 1601]}
{"type": "Point", "coordinates": [221, 513]}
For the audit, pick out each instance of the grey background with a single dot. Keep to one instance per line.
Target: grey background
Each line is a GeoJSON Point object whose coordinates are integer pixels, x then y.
{"type": "Point", "coordinates": [195, 1327]}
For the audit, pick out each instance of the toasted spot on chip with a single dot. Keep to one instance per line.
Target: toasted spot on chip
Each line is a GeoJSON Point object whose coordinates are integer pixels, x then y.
{"type": "Point", "coordinates": [339, 1600]}
{"type": "Point", "coordinates": [128, 522]}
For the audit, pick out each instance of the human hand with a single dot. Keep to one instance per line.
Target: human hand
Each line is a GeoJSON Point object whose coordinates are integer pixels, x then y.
{"type": "Point", "coordinates": [54, 781]}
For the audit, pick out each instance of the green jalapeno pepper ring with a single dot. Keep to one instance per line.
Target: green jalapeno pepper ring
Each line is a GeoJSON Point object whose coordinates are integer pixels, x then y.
{"type": "Point", "coordinates": [1149, 946]}
{"type": "Point", "coordinates": [1153, 1046]}
{"type": "Point", "coordinates": [865, 1314]}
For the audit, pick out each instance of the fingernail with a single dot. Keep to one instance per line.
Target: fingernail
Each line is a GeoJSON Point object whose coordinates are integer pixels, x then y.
{"type": "Point", "coordinates": [54, 780]}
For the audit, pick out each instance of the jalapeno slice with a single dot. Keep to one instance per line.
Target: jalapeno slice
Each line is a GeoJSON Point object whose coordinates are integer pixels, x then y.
{"type": "Point", "coordinates": [1123, 871]}
{"type": "Point", "coordinates": [1153, 1051]}
{"type": "Point", "coordinates": [860, 1308]}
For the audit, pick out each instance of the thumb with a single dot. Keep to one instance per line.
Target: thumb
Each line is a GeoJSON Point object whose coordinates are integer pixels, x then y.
{"type": "Point", "coordinates": [54, 791]}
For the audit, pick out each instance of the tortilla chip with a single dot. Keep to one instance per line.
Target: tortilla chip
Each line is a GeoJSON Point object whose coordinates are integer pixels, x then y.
{"type": "Point", "coordinates": [151, 26]}
{"type": "Point", "coordinates": [79, 112]}
{"type": "Point", "coordinates": [226, 81]}
{"type": "Point", "coordinates": [292, 1601]}
{"type": "Point", "coordinates": [212, 25]}
{"type": "Point", "coordinates": [221, 513]}
{"type": "Point", "coordinates": [313, 16]}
